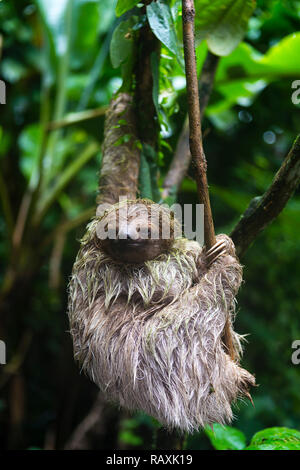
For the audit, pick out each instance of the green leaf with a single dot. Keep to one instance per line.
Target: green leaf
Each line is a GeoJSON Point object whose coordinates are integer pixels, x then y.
{"type": "Point", "coordinates": [284, 56]}
{"type": "Point", "coordinates": [246, 72]}
{"type": "Point", "coordinates": [86, 17]}
{"type": "Point", "coordinates": [130, 438]}
{"type": "Point", "coordinates": [277, 438]}
{"type": "Point", "coordinates": [53, 15]}
{"type": "Point", "coordinates": [226, 437]}
{"type": "Point", "coordinates": [162, 24]}
{"type": "Point", "coordinates": [125, 5]}
{"type": "Point", "coordinates": [122, 42]}
{"type": "Point", "coordinates": [222, 23]}
{"type": "Point", "coordinates": [12, 70]}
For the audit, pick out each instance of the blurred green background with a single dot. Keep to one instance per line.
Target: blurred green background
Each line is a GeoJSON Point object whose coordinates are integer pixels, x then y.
{"type": "Point", "coordinates": [55, 61]}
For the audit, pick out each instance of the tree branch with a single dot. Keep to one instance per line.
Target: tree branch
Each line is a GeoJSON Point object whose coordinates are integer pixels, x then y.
{"type": "Point", "coordinates": [196, 146]}
{"type": "Point", "coordinates": [91, 424]}
{"type": "Point", "coordinates": [76, 118]}
{"type": "Point", "coordinates": [182, 156]}
{"type": "Point", "coordinates": [263, 210]}
{"type": "Point", "coordinates": [121, 156]}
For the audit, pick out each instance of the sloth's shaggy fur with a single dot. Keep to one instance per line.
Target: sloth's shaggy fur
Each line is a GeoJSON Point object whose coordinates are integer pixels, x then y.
{"type": "Point", "coordinates": [150, 334]}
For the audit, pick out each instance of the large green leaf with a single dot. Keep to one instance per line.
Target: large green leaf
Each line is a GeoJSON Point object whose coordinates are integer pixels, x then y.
{"type": "Point", "coordinates": [122, 42]}
{"type": "Point", "coordinates": [284, 56]}
{"type": "Point", "coordinates": [162, 24]}
{"type": "Point", "coordinates": [125, 5]}
{"type": "Point", "coordinates": [222, 23]}
{"type": "Point", "coordinates": [275, 439]}
{"type": "Point", "coordinates": [245, 72]}
{"type": "Point", "coordinates": [226, 437]}
{"type": "Point", "coordinates": [245, 62]}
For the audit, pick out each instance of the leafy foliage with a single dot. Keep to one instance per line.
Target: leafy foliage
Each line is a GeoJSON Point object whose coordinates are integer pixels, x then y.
{"type": "Point", "coordinates": [162, 24]}
{"type": "Point", "coordinates": [226, 437]}
{"type": "Point", "coordinates": [125, 5]}
{"type": "Point", "coordinates": [122, 43]}
{"type": "Point", "coordinates": [275, 439]}
{"type": "Point", "coordinates": [229, 438]}
{"type": "Point", "coordinates": [222, 23]}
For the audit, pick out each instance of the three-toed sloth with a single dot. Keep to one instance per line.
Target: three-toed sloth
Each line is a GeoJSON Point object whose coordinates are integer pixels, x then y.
{"type": "Point", "coordinates": [147, 318]}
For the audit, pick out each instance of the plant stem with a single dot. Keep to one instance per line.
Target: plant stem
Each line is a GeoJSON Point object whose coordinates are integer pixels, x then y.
{"type": "Point", "coordinates": [78, 117]}
{"type": "Point", "coordinates": [61, 89]}
{"type": "Point", "coordinates": [66, 176]}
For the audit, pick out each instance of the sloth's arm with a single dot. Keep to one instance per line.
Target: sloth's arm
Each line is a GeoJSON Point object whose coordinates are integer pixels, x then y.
{"type": "Point", "coordinates": [220, 281]}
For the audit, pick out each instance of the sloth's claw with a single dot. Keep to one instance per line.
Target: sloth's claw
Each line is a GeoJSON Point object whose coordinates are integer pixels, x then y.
{"type": "Point", "coordinates": [215, 252]}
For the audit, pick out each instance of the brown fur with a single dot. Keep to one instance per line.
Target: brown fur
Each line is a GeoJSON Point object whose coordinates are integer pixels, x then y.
{"type": "Point", "coordinates": [149, 334]}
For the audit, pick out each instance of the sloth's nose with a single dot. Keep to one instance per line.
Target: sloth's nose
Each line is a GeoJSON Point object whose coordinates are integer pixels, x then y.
{"type": "Point", "coordinates": [126, 236]}
{"type": "Point", "coordinates": [130, 238]}
{"type": "Point", "coordinates": [131, 234]}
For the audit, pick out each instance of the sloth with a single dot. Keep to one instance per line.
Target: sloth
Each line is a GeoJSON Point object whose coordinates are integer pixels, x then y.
{"type": "Point", "coordinates": [148, 315]}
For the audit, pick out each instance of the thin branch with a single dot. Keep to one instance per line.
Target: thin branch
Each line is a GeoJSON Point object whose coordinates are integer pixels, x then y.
{"type": "Point", "coordinates": [196, 146]}
{"type": "Point", "coordinates": [21, 219]}
{"type": "Point", "coordinates": [91, 424]}
{"type": "Point", "coordinates": [68, 225]}
{"type": "Point", "coordinates": [102, 419]}
{"type": "Point", "coordinates": [64, 179]}
{"type": "Point", "coordinates": [31, 195]}
{"type": "Point", "coordinates": [263, 210]}
{"type": "Point", "coordinates": [182, 157]}
{"type": "Point", "coordinates": [83, 217]}
{"type": "Point", "coordinates": [76, 118]}
{"type": "Point", "coordinates": [56, 260]}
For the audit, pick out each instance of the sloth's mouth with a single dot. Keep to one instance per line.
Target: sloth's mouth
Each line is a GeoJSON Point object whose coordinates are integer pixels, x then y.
{"type": "Point", "coordinates": [138, 243]}
{"type": "Point", "coordinates": [129, 250]}
{"type": "Point", "coordinates": [131, 244]}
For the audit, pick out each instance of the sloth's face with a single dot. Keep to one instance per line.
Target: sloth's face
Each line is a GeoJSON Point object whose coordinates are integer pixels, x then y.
{"type": "Point", "coordinates": [136, 232]}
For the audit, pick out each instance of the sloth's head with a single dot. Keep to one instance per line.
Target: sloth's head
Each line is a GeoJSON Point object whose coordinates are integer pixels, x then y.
{"type": "Point", "coordinates": [136, 231]}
